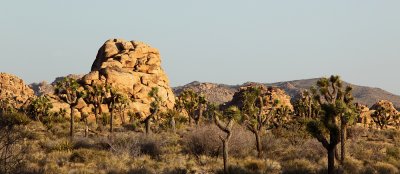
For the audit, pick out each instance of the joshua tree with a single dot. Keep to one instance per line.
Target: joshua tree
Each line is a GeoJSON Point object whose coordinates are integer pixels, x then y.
{"type": "Point", "coordinates": [6, 106]}
{"type": "Point", "coordinates": [335, 104]}
{"type": "Point", "coordinates": [68, 90]}
{"type": "Point", "coordinates": [231, 113]}
{"type": "Point", "coordinates": [96, 95]}
{"type": "Point", "coordinates": [40, 107]}
{"type": "Point", "coordinates": [193, 103]}
{"type": "Point", "coordinates": [121, 103]}
{"type": "Point", "coordinates": [382, 117]}
{"type": "Point", "coordinates": [256, 117]}
{"type": "Point", "coordinates": [280, 115]}
{"type": "Point", "coordinates": [306, 106]}
{"type": "Point", "coordinates": [10, 136]}
{"type": "Point", "coordinates": [112, 101]}
{"type": "Point", "coordinates": [154, 107]}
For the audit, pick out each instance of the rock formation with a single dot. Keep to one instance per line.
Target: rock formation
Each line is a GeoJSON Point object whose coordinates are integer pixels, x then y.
{"type": "Point", "coordinates": [42, 88]}
{"type": "Point", "coordinates": [14, 90]}
{"type": "Point", "coordinates": [387, 105]}
{"type": "Point", "coordinates": [133, 68]}
{"type": "Point", "coordinates": [365, 114]}
{"type": "Point", "coordinates": [271, 94]}
{"type": "Point", "coordinates": [214, 93]}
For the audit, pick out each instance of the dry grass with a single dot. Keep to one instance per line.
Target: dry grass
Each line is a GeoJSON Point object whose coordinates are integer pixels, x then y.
{"type": "Point", "coordinates": [198, 150]}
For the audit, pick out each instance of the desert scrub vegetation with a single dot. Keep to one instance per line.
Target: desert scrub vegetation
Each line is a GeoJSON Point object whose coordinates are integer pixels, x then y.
{"type": "Point", "coordinates": [258, 137]}
{"type": "Point", "coordinates": [198, 150]}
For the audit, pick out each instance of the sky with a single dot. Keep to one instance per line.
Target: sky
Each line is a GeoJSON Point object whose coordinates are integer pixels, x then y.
{"type": "Point", "coordinates": [224, 41]}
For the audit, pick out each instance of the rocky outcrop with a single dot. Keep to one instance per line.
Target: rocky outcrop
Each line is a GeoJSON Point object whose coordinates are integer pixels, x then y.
{"type": "Point", "coordinates": [387, 105]}
{"type": "Point", "coordinates": [270, 95]}
{"type": "Point", "coordinates": [133, 68]}
{"type": "Point", "coordinates": [42, 88]}
{"type": "Point", "coordinates": [365, 114]}
{"type": "Point", "coordinates": [14, 90]}
{"type": "Point", "coordinates": [214, 93]}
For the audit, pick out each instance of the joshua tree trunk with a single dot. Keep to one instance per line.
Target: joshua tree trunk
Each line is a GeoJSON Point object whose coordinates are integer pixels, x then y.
{"type": "Point", "coordinates": [148, 119]}
{"type": "Point", "coordinates": [86, 128]}
{"type": "Point", "coordinates": [147, 123]}
{"type": "Point", "coordinates": [199, 114]}
{"type": "Point", "coordinates": [122, 114]}
{"type": "Point", "coordinates": [95, 114]}
{"type": "Point", "coordinates": [225, 141]}
{"type": "Point", "coordinates": [225, 155]}
{"type": "Point", "coordinates": [190, 120]}
{"type": "Point", "coordinates": [173, 126]}
{"type": "Point", "coordinates": [343, 143]}
{"type": "Point", "coordinates": [331, 160]}
{"type": "Point", "coordinates": [258, 143]}
{"type": "Point", "coordinates": [71, 129]}
{"type": "Point", "coordinates": [111, 120]}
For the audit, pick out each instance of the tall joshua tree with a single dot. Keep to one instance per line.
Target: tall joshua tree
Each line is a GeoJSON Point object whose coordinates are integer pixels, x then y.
{"type": "Point", "coordinates": [154, 108]}
{"type": "Point", "coordinates": [40, 107]}
{"type": "Point", "coordinates": [334, 102]}
{"type": "Point", "coordinates": [68, 90]}
{"type": "Point", "coordinates": [112, 100]}
{"type": "Point", "coordinates": [121, 103]}
{"type": "Point", "coordinates": [193, 104]}
{"type": "Point", "coordinates": [382, 116]}
{"type": "Point", "coordinates": [230, 114]}
{"type": "Point", "coordinates": [96, 95]}
{"type": "Point", "coordinates": [254, 114]}
{"type": "Point", "coordinates": [306, 106]}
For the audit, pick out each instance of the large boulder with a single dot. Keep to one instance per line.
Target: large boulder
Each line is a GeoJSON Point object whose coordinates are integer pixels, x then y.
{"type": "Point", "coordinates": [270, 96]}
{"type": "Point", "coordinates": [387, 105]}
{"type": "Point", "coordinates": [133, 68]}
{"type": "Point", "coordinates": [14, 91]}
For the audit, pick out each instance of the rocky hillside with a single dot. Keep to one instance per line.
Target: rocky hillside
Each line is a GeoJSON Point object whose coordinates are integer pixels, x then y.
{"type": "Point", "coordinates": [362, 94]}
{"type": "Point", "coordinates": [13, 91]}
{"type": "Point", "coordinates": [221, 93]}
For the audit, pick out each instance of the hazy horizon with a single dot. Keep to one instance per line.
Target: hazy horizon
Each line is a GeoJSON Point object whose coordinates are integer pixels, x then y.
{"type": "Point", "coordinates": [210, 41]}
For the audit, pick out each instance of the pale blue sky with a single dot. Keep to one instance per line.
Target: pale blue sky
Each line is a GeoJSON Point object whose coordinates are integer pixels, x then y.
{"type": "Point", "coordinates": [223, 41]}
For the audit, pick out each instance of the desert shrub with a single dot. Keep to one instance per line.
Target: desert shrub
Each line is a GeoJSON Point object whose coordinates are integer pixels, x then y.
{"type": "Point", "coordinates": [298, 166]}
{"type": "Point", "coordinates": [391, 133]}
{"type": "Point", "coordinates": [274, 147]}
{"type": "Point", "coordinates": [176, 171]}
{"type": "Point", "coordinates": [385, 168]}
{"type": "Point", "coordinates": [84, 143]}
{"type": "Point", "coordinates": [356, 132]}
{"type": "Point", "coordinates": [353, 166]}
{"type": "Point", "coordinates": [124, 144]}
{"type": "Point", "coordinates": [78, 157]}
{"type": "Point", "coordinates": [235, 170]}
{"type": "Point", "coordinates": [143, 170]}
{"type": "Point", "coordinates": [150, 145]}
{"type": "Point", "coordinates": [272, 167]}
{"type": "Point", "coordinates": [294, 132]}
{"type": "Point", "coordinates": [262, 166]}
{"type": "Point", "coordinates": [201, 141]}
{"type": "Point", "coordinates": [256, 166]}
{"type": "Point", "coordinates": [136, 145]}
{"type": "Point", "coordinates": [310, 150]}
{"type": "Point", "coordinates": [367, 150]}
{"type": "Point", "coordinates": [105, 119]}
{"type": "Point", "coordinates": [393, 152]}
{"type": "Point", "coordinates": [56, 145]}
{"type": "Point", "coordinates": [205, 141]}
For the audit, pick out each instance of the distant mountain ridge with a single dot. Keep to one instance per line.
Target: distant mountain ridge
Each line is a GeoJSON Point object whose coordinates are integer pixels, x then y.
{"type": "Point", "coordinates": [221, 93]}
